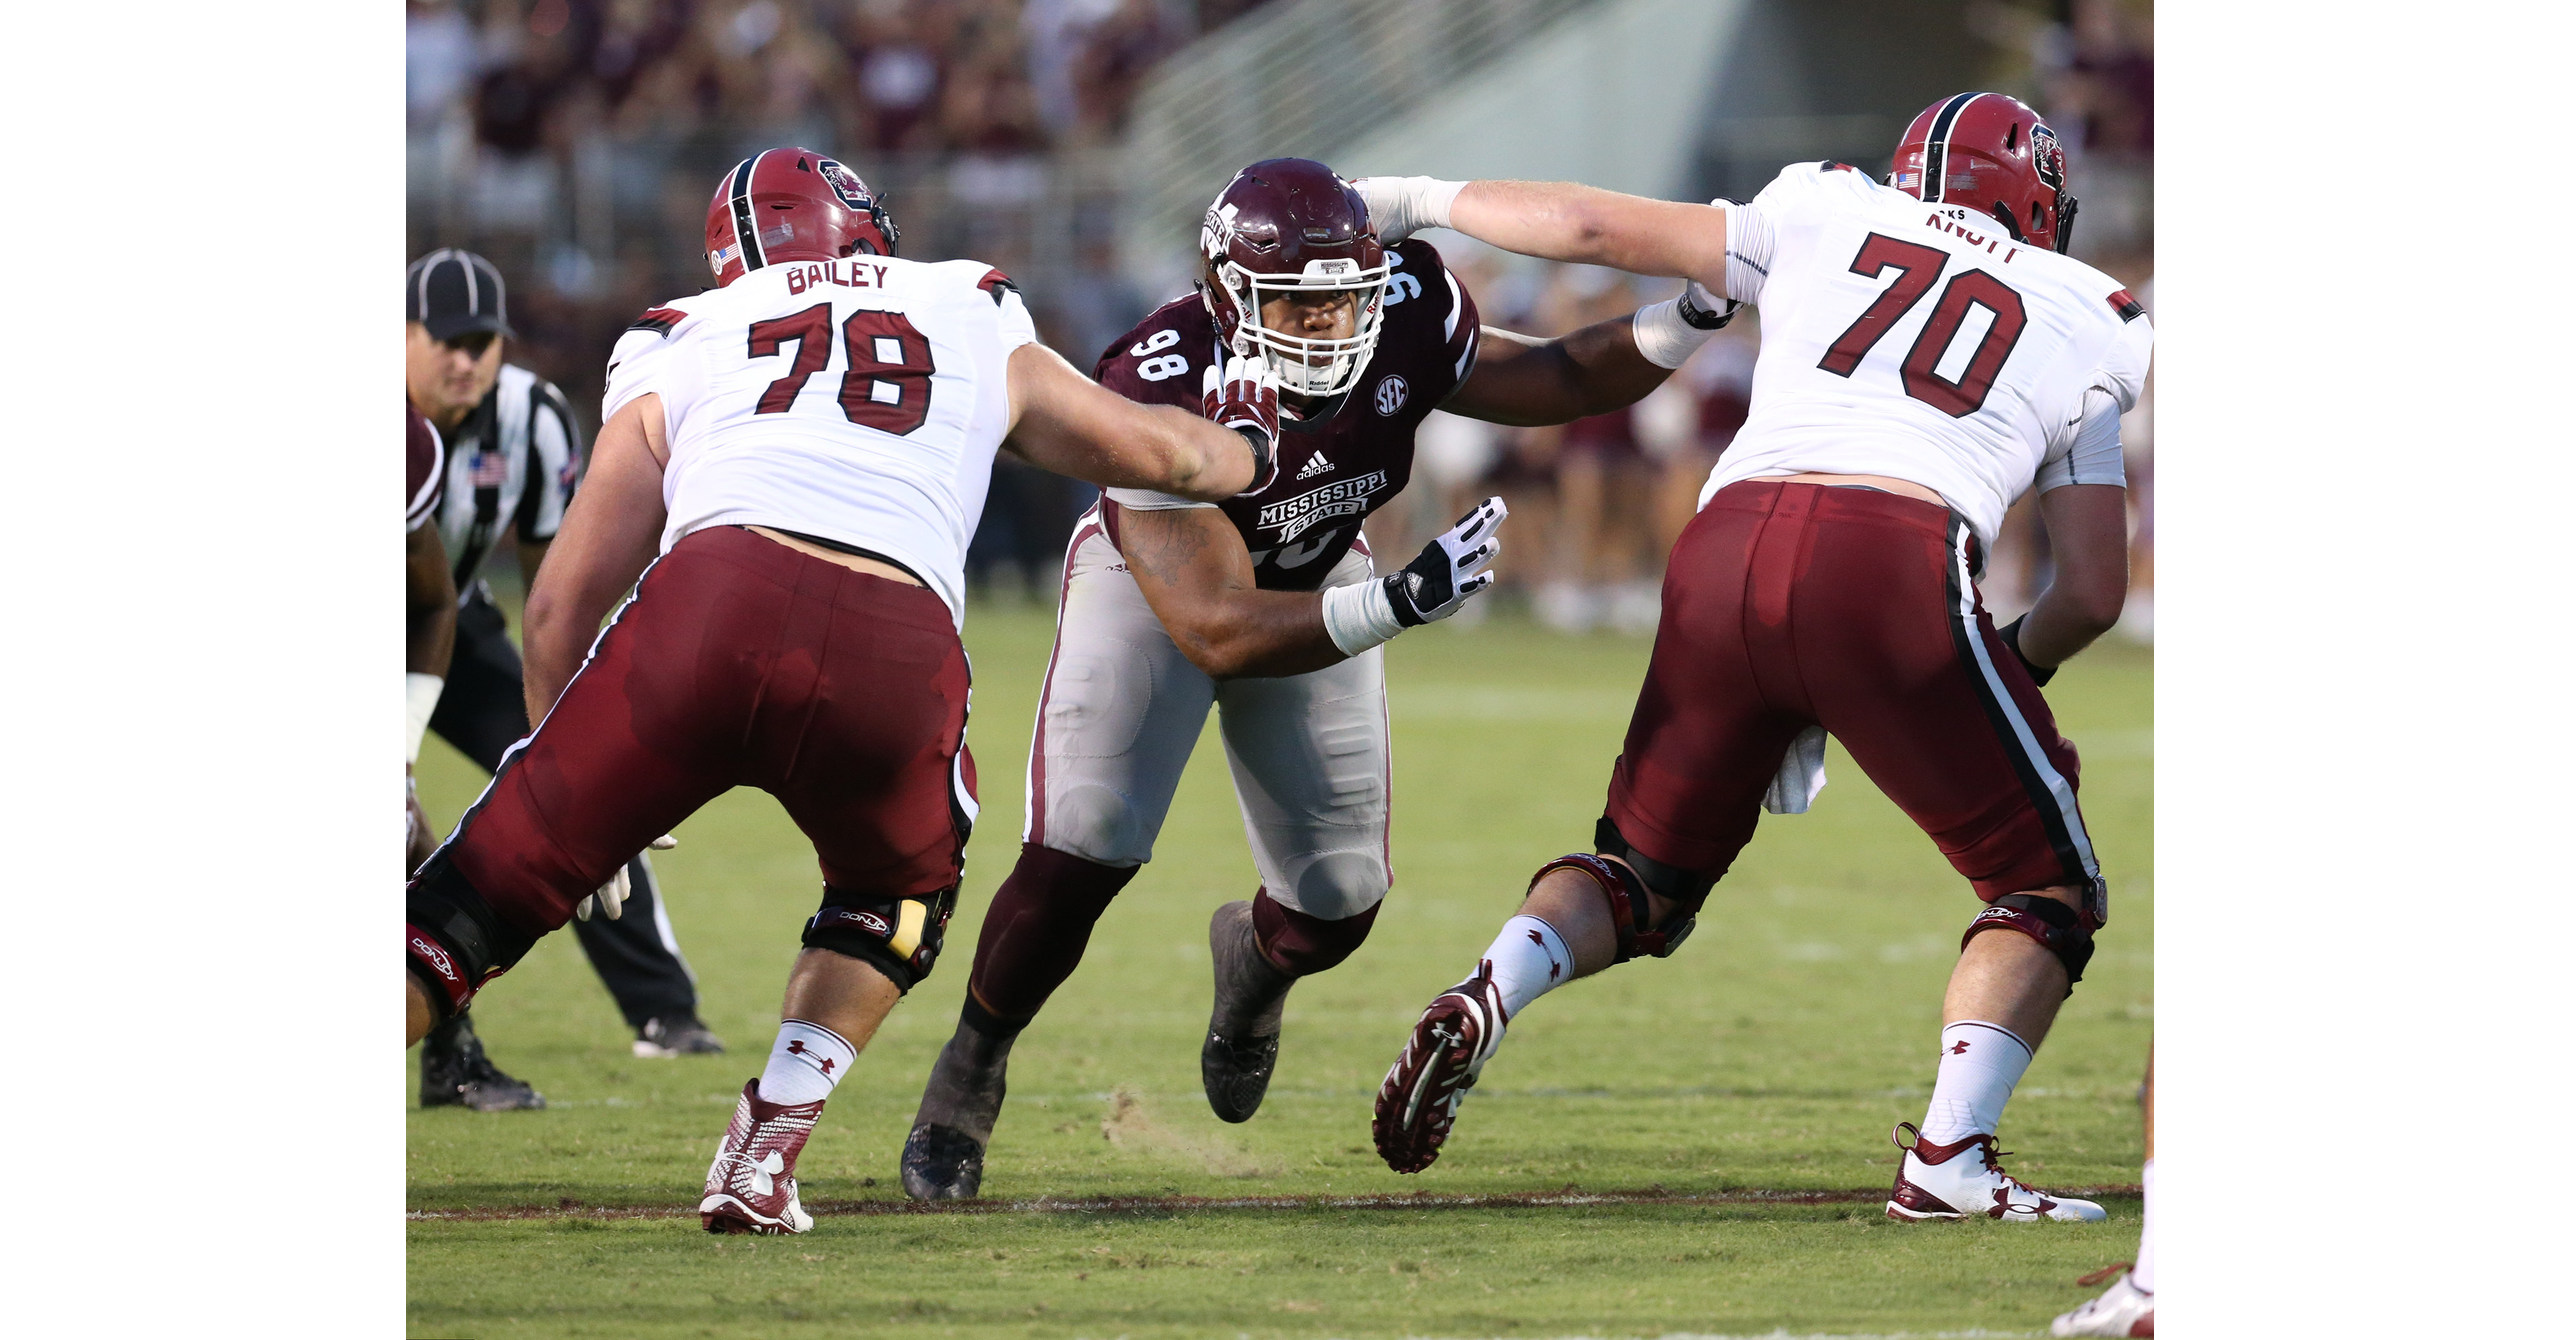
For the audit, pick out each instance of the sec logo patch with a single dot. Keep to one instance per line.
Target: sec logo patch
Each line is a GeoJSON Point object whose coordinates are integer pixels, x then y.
{"type": "Point", "coordinates": [1391, 396]}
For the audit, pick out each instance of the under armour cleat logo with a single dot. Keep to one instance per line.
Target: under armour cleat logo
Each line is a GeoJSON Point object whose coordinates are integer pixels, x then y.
{"type": "Point", "coordinates": [763, 1171]}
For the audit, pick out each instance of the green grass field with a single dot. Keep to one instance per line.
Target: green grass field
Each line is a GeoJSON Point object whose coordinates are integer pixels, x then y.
{"type": "Point", "coordinates": [1772, 1055]}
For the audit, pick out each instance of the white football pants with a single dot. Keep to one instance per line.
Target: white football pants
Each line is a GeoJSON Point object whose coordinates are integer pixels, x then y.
{"type": "Point", "coordinates": [1122, 709]}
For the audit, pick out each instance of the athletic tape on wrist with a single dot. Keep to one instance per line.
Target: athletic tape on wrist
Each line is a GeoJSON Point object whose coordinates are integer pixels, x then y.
{"type": "Point", "coordinates": [1433, 201]}
{"type": "Point", "coordinates": [1663, 338]}
{"type": "Point", "coordinates": [423, 692]}
{"type": "Point", "coordinates": [1358, 617]}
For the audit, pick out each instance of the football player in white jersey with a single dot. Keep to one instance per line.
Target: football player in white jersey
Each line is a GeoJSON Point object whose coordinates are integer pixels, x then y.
{"type": "Point", "coordinates": [1927, 355]}
{"type": "Point", "coordinates": [790, 468]}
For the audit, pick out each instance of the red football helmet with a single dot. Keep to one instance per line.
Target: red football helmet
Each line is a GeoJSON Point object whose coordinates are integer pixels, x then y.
{"type": "Point", "coordinates": [1991, 152]}
{"type": "Point", "coordinates": [1290, 225]}
{"type": "Point", "coordinates": [792, 205]}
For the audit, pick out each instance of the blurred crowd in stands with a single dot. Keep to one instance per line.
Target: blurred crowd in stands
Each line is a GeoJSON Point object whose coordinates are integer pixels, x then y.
{"type": "Point", "coordinates": [575, 143]}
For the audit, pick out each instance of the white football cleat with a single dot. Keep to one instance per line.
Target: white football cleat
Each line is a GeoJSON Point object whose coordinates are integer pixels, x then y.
{"type": "Point", "coordinates": [2121, 1310]}
{"type": "Point", "coordinates": [750, 1188]}
{"type": "Point", "coordinates": [1963, 1179]}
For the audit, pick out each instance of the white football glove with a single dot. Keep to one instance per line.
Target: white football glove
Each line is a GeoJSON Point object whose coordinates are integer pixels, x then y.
{"type": "Point", "coordinates": [1399, 207]}
{"type": "Point", "coordinates": [1430, 588]}
{"type": "Point", "coordinates": [617, 888]}
{"type": "Point", "coordinates": [1454, 567]}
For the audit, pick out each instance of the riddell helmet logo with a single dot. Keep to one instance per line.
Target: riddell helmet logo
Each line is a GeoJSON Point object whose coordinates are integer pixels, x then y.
{"type": "Point", "coordinates": [2045, 148]}
{"type": "Point", "coordinates": [1391, 396]}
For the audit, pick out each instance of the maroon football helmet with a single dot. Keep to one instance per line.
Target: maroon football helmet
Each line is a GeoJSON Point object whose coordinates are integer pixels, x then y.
{"type": "Point", "coordinates": [792, 205]}
{"type": "Point", "coordinates": [1290, 225]}
{"type": "Point", "coordinates": [1991, 152]}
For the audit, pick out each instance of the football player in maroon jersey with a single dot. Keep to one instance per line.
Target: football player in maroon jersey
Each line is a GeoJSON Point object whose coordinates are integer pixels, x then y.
{"type": "Point", "coordinates": [1268, 606]}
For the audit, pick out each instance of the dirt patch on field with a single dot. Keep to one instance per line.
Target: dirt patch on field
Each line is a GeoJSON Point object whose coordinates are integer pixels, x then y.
{"type": "Point", "coordinates": [1131, 1124]}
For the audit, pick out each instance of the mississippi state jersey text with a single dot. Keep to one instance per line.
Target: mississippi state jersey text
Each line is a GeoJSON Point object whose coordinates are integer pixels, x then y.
{"type": "Point", "coordinates": [1334, 475]}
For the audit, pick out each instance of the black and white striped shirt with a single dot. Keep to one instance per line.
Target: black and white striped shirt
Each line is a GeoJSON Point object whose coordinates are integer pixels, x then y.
{"type": "Point", "coordinates": [515, 459]}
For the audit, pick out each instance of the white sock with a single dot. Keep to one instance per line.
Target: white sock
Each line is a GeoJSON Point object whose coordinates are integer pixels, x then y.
{"type": "Point", "coordinates": [806, 1063]}
{"type": "Point", "coordinates": [1529, 958]}
{"type": "Point", "coordinates": [1979, 1066]}
{"type": "Point", "coordinates": [2142, 1258]}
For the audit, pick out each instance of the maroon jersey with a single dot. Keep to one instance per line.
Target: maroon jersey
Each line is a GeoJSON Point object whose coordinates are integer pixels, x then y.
{"type": "Point", "coordinates": [426, 469]}
{"type": "Point", "coordinates": [1335, 474]}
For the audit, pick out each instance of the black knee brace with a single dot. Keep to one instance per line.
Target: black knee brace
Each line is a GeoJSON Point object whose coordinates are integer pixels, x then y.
{"type": "Point", "coordinates": [899, 936]}
{"type": "Point", "coordinates": [2062, 929]}
{"type": "Point", "coordinates": [1686, 889]}
{"type": "Point", "coordinates": [455, 942]}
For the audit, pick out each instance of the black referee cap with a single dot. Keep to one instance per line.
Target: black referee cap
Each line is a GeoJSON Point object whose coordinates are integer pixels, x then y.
{"type": "Point", "coordinates": [454, 292]}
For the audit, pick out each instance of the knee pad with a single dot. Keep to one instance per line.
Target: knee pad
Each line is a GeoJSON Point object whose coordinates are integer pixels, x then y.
{"type": "Point", "coordinates": [1336, 883]}
{"type": "Point", "coordinates": [455, 942]}
{"type": "Point", "coordinates": [1299, 944]}
{"type": "Point", "coordinates": [2066, 932]}
{"type": "Point", "coordinates": [900, 936]}
{"type": "Point", "coordinates": [1685, 889]}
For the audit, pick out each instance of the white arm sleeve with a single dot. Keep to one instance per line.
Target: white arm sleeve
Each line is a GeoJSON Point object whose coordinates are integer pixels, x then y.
{"type": "Point", "coordinates": [2092, 450]}
{"type": "Point", "coordinates": [1750, 239]}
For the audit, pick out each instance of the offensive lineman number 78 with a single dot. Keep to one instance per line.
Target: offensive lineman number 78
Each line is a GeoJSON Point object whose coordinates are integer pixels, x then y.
{"type": "Point", "coordinates": [1917, 269]}
{"type": "Point", "coordinates": [888, 376]}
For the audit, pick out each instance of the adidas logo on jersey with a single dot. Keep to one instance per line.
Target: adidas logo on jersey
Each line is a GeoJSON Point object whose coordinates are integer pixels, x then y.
{"type": "Point", "coordinates": [1316, 465]}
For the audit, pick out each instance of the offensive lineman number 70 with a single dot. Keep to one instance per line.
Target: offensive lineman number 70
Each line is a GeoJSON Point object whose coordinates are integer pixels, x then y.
{"type": "Point", "coordinates": [1917, 269]}
{"type": "Point", "coordinates": [888, 376]}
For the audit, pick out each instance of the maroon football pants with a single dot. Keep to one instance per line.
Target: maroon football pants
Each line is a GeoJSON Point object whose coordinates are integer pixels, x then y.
{"type": "Point", "coordinates": [739, 662]}
{"type": "Point", "coordinates": [1794, 604]}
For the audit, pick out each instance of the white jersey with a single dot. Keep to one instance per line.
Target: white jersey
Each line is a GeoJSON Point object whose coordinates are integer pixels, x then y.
{"type": "Point", "coordinates": [858, 401]}
{"type": "Point", "coordinates": [1920, 342]}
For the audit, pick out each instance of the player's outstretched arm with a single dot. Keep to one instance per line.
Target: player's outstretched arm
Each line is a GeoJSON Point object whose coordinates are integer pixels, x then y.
{"type": "Point", "coordinates": [1193, 568]}
{"type": "Point", "coordinates": [605, 542]}
{"type": "Point", "coordinates": [1559, 221]}
{"type": "Point", "coordinates": [2090, 570]}
{"type": "Point", "coordinates": [1526, 381]}
{"type": "Point", "coordinates": [1064, 422]}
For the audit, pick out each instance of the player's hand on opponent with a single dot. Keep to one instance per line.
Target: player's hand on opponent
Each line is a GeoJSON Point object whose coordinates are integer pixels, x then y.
{"type": "Point", "coordinates": [1239, 395]}
{"type": "Point", "coordinates": [1453, 568]}
{"type": "Point", "coordinates": [1427, 590]}
{"type": "Point", "coordinates": [617, 888]}
{"type": "Point", "coordinates": [1399, 207]}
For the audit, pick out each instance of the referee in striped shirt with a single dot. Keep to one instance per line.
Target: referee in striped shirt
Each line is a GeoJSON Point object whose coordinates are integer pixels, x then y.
{"type": "Point", "coordinates": [512, 460]}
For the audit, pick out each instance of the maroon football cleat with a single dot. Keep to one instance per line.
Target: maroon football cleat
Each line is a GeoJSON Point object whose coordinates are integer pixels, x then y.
{"type": "Point", "coordinates": [750, 1188]}
{"type": "Point", "coordinates": [1419, 1100]}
